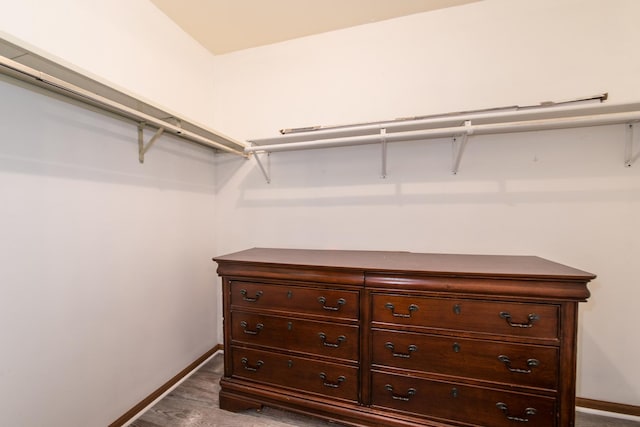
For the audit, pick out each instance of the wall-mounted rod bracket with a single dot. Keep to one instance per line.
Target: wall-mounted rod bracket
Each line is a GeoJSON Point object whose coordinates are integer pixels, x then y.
{"type": "Point", "coordinates": [632, 135]}
{"type": "Point", "coordinates": [265, 172]}
{"type": "Point", "coordinates": [458, 147]}
{"type": "Point", "coordinates": [142, 148]}
{"type": "Point", "coordinates": [383, 141]}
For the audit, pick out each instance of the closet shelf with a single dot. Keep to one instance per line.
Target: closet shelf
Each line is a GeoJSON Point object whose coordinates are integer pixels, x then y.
{"type": "Point", "coordinates": [460, 127]}
{"type": "Point", "coordinates": [25, 65]}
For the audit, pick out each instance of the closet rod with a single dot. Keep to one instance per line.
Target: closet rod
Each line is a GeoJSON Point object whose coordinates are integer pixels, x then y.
{"type": "Point", "coordinates": [30, 75]}
{"type": "Point", "coordinates": [451, 131]}
{"type": "Point", "coordinates": [570, 105]}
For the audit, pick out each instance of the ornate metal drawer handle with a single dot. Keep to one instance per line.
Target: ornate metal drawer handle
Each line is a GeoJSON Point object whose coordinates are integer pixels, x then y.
{"type": "Point", "coordinates": [337, 384]}
{"type": "Point", "coordinates": [532, 318]}
{"type": "Point", "coordinates": [411, 349]}
{"type": "Point", "coordinates": [527, 412]}
{"type": "Point", "coordinates": [410, 393]}
{"type": "Point", "coordinates": [245, 363]}
{"type": "Point", "coordinates": [323, 301]}
{"type": "Point", "coordinates": [531, 363]}
{"type": "Point", "coordinates": [323, 338]}
{"type": "Point", "coordinates": [412, 308]}
{"type": "Point", "coordinates": [259, 327]}
{"type": "Point", "coordinates": [246, 298]}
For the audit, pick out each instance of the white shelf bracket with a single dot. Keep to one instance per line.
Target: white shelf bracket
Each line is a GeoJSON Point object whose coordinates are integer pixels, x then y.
{"type": "Point", "coordinates": [632, 135]}
{"type": "Point", "coordinates": [383, 141]}
{"type": "Point", "coordinates": [142, 148]}
{"type": "Point", "coordinates": [458, 147]}
{"type": "Point", "coordinates": [267, 174]}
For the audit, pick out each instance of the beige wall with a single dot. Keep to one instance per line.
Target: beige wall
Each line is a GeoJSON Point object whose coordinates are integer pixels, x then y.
{"type": "Point", "coordinates": [110, 290]}
{"type": "Point", "coordinates": [107, 288]}
{"type": "Point", "coordinates": [563, 195]}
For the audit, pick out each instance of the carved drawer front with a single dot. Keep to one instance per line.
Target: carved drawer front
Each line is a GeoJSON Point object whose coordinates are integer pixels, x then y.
{"type": "Point", "coordinates": [307, 336]}
{"type": "Point", "coordinates": [328, 379]}
{"type": "Point", "coordinates": [526, 365]}
{"type": "Point", "coordinates": [501, 318]}
{"type": "Point", "coordinates": [462, 403]}
{"type": "Point", "coordinates": [334, 303]}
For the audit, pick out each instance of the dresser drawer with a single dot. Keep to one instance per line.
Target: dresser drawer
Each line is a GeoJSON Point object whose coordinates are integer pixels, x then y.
{"type": "Point", "coordinates": [325, 378]}
{"type": "Point", "coordinates": [477, 406]}
{"type": "Point", "coordinates": [339, 341]}
{"type": "Point", "coordinates": [500, 318]}
{"type": "Point", "coordinates": [332, 303]}
{"type": "Point", "coordinates": [520, 364]}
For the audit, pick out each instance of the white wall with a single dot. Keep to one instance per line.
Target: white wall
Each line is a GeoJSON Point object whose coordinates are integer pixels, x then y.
{"type": "Point", "coordinates": [563, 195]}
{"type": "Point", "coordinates": [106, 279]}
{"type": "Point", "coordinates": [128, 43]}
{"type": "Point", "coordinates": [107, 288]}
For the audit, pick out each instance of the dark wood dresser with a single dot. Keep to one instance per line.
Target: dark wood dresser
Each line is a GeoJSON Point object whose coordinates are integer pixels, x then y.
{"type": "Point", "coordinates": [369, 338]}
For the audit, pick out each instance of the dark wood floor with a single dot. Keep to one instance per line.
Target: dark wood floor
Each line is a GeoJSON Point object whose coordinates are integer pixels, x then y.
{"type": "Point", "coordinates": [195, 404]}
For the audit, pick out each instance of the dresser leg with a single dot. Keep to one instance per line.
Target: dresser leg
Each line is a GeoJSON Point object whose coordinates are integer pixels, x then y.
{"type": "Point", "coordinates": [234, 403]}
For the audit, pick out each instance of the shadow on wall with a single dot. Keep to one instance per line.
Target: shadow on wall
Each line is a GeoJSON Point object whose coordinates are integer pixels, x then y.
{"type": "Point", "coordinates": [608, 372]}
{"type": "Point", "coordinates": [561, 166]}
{"type": "Point", "coordinates": [226, 167]}
{"type": "Point", "coordinates": [50, 135]}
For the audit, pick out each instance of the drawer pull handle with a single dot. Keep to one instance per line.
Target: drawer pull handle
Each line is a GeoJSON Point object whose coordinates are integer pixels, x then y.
{"type": "Point", "coordinates": [532, 318]}
{"type": "Point", "coordinates": [259, 327]}
{"type": "Point", "coordinates": [505, 409]}
{"type": "Point", "coordinates": [247, 367]}
{"type": "Point", "coordinates": [249, 299]}
{"type": "Point", "coordinates": [531, 363]}
{"type": "Point", "coordinates": [411, 349]}
{"type": "Point", "coordinates": [410, 393]}
{"type": "Point", "coordinates": [412, 308]}
{"type": "Point", "coordinates": [323, 338]}
{"type": "Point", "coordinates": [323, 301]}
{"type": "Point", "coordinates": [337, 384]}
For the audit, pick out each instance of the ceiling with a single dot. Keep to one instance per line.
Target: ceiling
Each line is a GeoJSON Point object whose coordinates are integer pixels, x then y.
{"type": "Point", "coordinates": [224, 26]}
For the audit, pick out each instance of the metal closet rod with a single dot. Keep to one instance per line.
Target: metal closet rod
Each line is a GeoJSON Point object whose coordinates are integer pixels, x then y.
{"type": "Point", "coordinates": [517, 109]}
{"type": "Point", "coordinates": [468, 128]}
{"type": "Point", "coordinates": [574, 108]}
{"type": "Point", "coordinates": [29, 74]}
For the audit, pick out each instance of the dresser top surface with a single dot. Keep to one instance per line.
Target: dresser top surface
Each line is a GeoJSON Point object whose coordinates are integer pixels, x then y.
{"type": "Point", "coordinates": [403, 262]}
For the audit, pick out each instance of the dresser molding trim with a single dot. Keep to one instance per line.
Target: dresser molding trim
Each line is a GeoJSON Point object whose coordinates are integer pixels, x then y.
{"type": "Point", "coordinates": [561, 290]}
{"type": "Point", "coordinates": [310, 274]}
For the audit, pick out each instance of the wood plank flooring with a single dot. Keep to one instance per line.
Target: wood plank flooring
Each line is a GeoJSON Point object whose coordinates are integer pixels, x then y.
{"type": "Point", "coordinates": [195, 404]}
